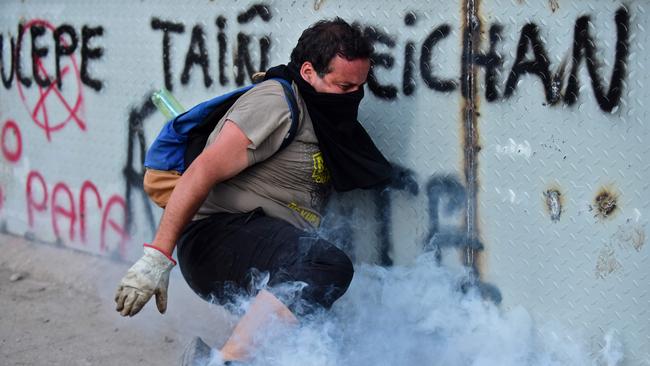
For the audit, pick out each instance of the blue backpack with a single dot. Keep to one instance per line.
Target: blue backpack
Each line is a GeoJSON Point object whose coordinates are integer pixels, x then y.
{"type": "Point", "coordinates": [183, 138]}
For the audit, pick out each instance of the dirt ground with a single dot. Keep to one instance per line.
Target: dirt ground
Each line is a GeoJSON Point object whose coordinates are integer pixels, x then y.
{"type": "Point", "coordinates": [57, 308]}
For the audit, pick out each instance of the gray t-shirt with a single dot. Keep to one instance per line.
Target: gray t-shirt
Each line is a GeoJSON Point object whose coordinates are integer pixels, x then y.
{"type": "Point", "coordinates": [291, 185]}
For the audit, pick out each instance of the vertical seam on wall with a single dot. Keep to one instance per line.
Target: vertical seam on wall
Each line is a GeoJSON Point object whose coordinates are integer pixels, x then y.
{"type": "Point", "coordinates": [470, 148]}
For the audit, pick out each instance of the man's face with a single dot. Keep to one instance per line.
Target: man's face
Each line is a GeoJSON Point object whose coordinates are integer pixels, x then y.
{"type": "Point", "coordinates": [345, 76]}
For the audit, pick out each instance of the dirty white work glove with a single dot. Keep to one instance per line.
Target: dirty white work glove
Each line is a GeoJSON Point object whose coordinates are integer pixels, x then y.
{"type": "Point", "coordinates": [148, 276]}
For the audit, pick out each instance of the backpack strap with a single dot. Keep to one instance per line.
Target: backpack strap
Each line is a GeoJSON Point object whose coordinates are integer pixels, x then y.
{"type": "Point", "coordinates": [293, 108]}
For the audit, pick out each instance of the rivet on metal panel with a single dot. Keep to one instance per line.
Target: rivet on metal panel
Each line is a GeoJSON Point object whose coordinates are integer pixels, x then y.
{"type": "Point", "coordinates": [554, 203]}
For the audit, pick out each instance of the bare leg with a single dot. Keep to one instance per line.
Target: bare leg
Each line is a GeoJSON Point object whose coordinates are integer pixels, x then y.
{"type": "Point", "coordinates": [264, 309]}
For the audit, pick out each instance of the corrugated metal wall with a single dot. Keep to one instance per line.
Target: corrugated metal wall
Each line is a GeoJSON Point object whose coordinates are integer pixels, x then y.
{"type": "Point", "coordinates": [518, 127]}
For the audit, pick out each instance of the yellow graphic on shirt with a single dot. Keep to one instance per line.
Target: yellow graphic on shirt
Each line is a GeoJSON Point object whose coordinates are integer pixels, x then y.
{"type": "Point", "coordinates": [320, 174]}
{"type": "Point", "coordinates": [311, 217]}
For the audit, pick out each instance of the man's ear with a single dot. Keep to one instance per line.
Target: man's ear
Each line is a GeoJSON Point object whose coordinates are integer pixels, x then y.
{"type": "Point", "coordinates": [307, 71]}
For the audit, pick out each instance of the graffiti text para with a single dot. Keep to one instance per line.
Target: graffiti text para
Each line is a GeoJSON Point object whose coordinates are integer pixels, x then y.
{"type": "Point", "coordinates": [67, 213]}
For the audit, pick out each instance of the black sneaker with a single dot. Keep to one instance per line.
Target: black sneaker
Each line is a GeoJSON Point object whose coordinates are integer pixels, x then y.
{"type": "Point", "coordinates": [198, 353]}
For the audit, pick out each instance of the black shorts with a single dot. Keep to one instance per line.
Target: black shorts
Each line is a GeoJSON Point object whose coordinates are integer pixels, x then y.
{"type": "Point", "coordinates": [225, 256]}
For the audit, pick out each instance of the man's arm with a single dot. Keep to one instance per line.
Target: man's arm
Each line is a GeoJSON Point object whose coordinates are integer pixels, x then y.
{"type": "Point", "coordinates": [223, 159]}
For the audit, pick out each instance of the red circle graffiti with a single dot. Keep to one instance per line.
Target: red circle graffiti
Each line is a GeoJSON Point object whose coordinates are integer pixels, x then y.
{"type": "Point", "coordinates": [11, 155]}
{"type": "Point", "coordinates": [51, 97]}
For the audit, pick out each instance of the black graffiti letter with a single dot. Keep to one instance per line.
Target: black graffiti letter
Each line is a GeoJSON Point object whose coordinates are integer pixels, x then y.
{"type": "Point", "coordinates": [261, 10]}
{"type": "Point", "coordinates": [223, 44]}
{"type": "Point", "coordinates": [380, 59]}
{"type": "Point", "coordinates": [340, 230]}
{"type": "Point", "coordinates": [6, 80]}
{"type": "Point", "coordinates": [492, 62]}
{"type": "Point", "coordinates": [403, 180]}
{"type": "Point", "coordinates": [136, 145]}
{"type": "Point", "coordinates": [425, 61]}
{"type": "Point", "coordinates": [408, 82]}
{"type": "Point", "coordinates": [19, 68]}
{"type": "Point", "coordinates": [197, 57]}
{"type": "Point", "coordinates": [63, 47]}
{"type": "Point", "coordinates": [87, 53]}
{"type": "Point", "coordinates": [584, 46]}
{"type": "Point", "coordinates": [167, 28]}
{"type": "Point", "coordinates": [449, 191]}
{"type": "Point", "coordinates": [37, 53]}
{"type": "Point", "coordinates": [539, 66]}
{"type": "Point", "coordinates": [243, 61]}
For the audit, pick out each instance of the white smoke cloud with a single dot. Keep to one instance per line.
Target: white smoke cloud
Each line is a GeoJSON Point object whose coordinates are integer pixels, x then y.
{"type": "Point", "coordinates": [417, 315]}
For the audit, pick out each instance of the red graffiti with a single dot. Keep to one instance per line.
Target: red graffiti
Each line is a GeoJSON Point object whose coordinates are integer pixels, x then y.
{"type": "Point", "coordinates": [87, 185]}
{"type": "Point", "coordinates": [13, 151]}
{"type": "Point", "coordinates": [58, 210]}
{"type": "Point", "coordinates": [119, 228]}
{"type": "Point", "coordinates": [32, 203]}
{"type": "Point", "coordinates": [112, 229]}
{"type": "Point", "coordinates": [52, 100]}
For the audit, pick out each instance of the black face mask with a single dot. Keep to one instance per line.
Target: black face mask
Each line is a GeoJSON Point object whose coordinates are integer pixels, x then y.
{"type": "Point", "coordinates": [351, 157]}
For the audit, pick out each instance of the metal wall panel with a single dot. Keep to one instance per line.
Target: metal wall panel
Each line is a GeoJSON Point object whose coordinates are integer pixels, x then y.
{"type": "Point", "coordinates": [543, 196]}
{"type": "Point", "coordinates": [564, 188]}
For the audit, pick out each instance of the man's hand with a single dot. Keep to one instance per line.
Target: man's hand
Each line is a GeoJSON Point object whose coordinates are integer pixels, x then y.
{"type": "Point", "coordinates": [148, 276]}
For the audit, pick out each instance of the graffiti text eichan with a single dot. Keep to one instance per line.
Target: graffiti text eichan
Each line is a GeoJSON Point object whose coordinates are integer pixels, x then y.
{"type": "Point", "coordinates": [531, 58]}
